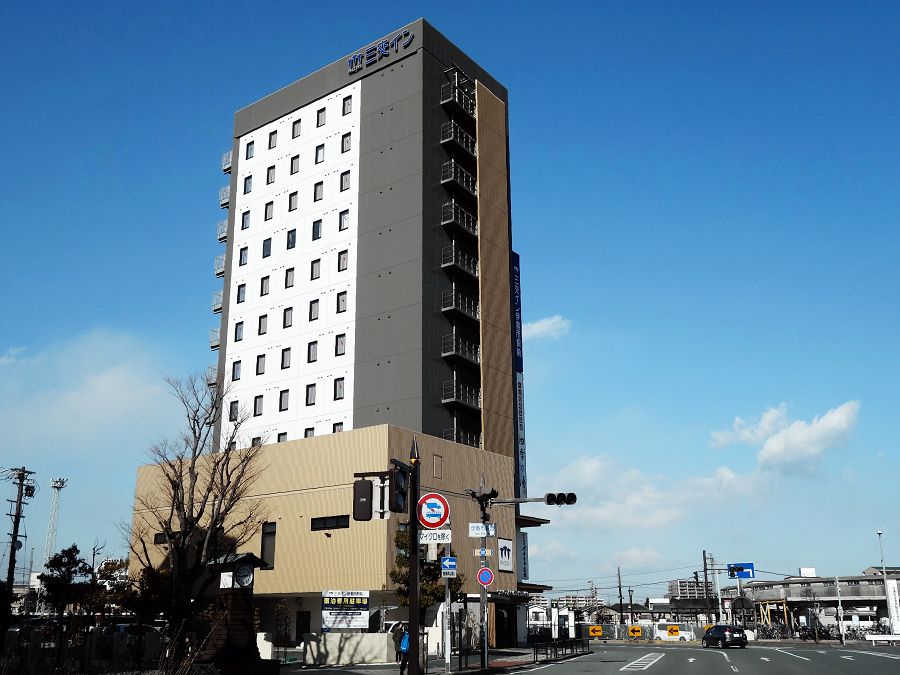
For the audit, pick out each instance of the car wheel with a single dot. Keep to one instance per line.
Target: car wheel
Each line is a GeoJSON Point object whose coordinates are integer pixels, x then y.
{"type": "Point", "coordinates": [723, 644]}
{"type": "Point", "coordinates": [744, 646]}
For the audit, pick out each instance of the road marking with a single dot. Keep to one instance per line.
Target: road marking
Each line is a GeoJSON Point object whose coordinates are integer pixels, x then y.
{"type": "Point", "coordinates": [734, 668]}
{"type": "Point", "coordinates": [849, 658]}
{"type": "Point", "coordinates": [884, 656]}
{"type": "Point", "coordinates": [781, 651]}
{"type": "Point", "coordinates": [642, 663]}
{"type": "Point", "coordinates": [764, 658]}
{"type": "Point", "coordinates": [691, 660]}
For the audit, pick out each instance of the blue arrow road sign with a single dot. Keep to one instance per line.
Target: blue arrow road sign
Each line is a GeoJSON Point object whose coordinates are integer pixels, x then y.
{"type": "Point", "coordinates": [741, 570]}
{"type": "Point", "coordinates": [448, 563]}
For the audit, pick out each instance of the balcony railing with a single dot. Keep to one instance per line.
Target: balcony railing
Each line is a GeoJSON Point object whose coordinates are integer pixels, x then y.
{"type": "Point", "coordinates": [213, 338]}
{"type": "Point", "coordinates": [455, 256]}
{"type": "Point", "coordinates": [451, 94]}
{"type": "Point", "coordinates": [219, 265]}
{"type": "Point", "coordinates": [453, 214]}
{"type": "Point", "coordinates": [462, 436]}
{"type": "Point", "coordinates": [451, 172]}
{"type": "Point", "coordinates": [217, 302]}
{"type": "Point", "coordinates": [226, 162]}
{"type": "Point", "coordinates": [224, 196]}
{"type": "Point", "coordinates": [212, 376]}
{"type": "Point", "coordinates": [222, 230]}
{"type": "Point", "coordinates": [454, 345]}
{"type": "Point", "coordinates": [457, 392]}
{"type": "Point", "coordinates": [453, 300]}
{"type": "Point", "coordinates": [451, 132]}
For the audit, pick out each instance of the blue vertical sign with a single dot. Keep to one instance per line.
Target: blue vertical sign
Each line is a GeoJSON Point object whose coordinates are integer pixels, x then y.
{"type": "Point", "coordinates": [515, 288]}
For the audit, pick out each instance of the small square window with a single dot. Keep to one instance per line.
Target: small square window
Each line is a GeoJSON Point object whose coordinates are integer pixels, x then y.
{"type": "Point", "coordinates": [242, 256]}
{"type": "Point", "coordinates": [317, 229]}
{"type": "Point", "coordinates": [292, 201]}
{"type": "Point", "coordinates": [295, 129]}
{"type": "Point", "coordinates": [337, 427]}
{"type": "Point", "coordinates": [348, 105]}
{"type": "Point", "coordinates": [312, 352]}
{"type": "Point", "coordinates": [233, 411]}
{"type": "Point", "coordinates": [249, 153]}
{"type": "Point", "coordinates": [343, 258]}
{"type": "Point", "coordinates": [261, 364]}
{"type": "Point", "coordinates": [269, 211]}
{"type": "Point", "coordinates": [292, 237]}
{"type": "Point", "coordinates": [342, 302]}
{"type": "Point", "coordinates": [245, 220]}
{"type": "Point", "coordinates": [309, 432]}
{"type": "Point", "coordinates": [257, 406]}
{"type": "Point", "coordinates": [310, 394]}
{"type": "Point", "coordinates": [340, 344]}
{"type": "Point", "coordinates": [283, 399]}
{"type": "Point", "coordinates": [344, 220]}
{"type": "Point", "coordinates": [285, 358]}
{"type": "Point", "coordinates": [338, 388]}
{"type": "Point", "coordinates": [239, 331]}
{"type": "Point", "coordinates": [241, 293]}
{"type": "Point", "coordinates": [263, 324]}
{"type": "Point", "coordinates": [315, 269]}
{"type": "Point", "coordinates": [320, 117]}
{"type": "Point", "coordinates": [313, 310]}
{"type": "Point", "coordinates": [256, 442]}
{"type": "Point", "coordinates": [289, 277]}
{"type": "Point", "coordinates": [248, 184]}
{"type": "Point", "coordinates": [267, 247]}
{"type": "Point", "coordinates": [345, 181]}
{"type": "Point", "coordinates": [270, 175]}
{"type": "Point", "coordinates": [295, 164]}
{"type": "Point", "coordinates": [288, 318]}
{"type": "Point", "coordinates": [235, 371]}
{"type": "Point", "coordinates": [282, 437]}
{"type": "Point", "coordinates": [264, 286]}
{"type": "Point", "coordinates": [345, 143]}
{"type": "Point", "coordinates": [320, 154]}
{"type": "Point", "coordinates": [317, 192]}
{"type": "Point", "coordinates": [273, 139]}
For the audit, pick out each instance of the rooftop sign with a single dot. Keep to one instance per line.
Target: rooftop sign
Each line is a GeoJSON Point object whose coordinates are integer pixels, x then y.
{"type": "Point", "coordinates": [380, 50]}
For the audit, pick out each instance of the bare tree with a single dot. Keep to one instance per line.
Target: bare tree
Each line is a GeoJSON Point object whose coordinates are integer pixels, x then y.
{"type": "Point", "coordinates": [198, 507]}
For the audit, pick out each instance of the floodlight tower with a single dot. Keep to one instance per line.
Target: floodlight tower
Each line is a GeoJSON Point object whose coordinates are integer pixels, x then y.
{"type": "Point", "coordinates": [57, 484]}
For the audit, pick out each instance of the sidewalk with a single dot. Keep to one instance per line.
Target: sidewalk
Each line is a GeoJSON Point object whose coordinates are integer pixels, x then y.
{"type": "Point", "coordinates": [499, 660]}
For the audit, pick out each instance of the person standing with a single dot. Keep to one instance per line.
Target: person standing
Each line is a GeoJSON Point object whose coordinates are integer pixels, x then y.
{"type": "Point", "coordinates": [404, 651]}
{"type": "Point", "coordinates": [397, 635]}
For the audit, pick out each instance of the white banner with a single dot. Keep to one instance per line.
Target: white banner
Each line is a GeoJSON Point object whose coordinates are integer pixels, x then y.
{"type": "Point", "coordinates": [522, 548]}
{"type": "Point", "coordinates": [893, 605]}
{"type": "Point", "coordinates": [435, 537]}
{"type": "Point", "coordinates": [505, 558]}
{"type": "Point", "coordinates": [345, 609]}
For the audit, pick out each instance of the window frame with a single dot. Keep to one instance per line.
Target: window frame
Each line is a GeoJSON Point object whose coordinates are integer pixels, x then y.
{"type": "Point", "coordinates": [269, 211]}
{"type": "Point", "coordinates": [233, 411]}
{"type": "Point", "coordinates": [295, 164]}
{"type": "Point", "coordinates": [311, 394]}
{"type": "Point", "coordinates": [320, 118]}
{"type": "Point", "coordinates": [283, 399]}
{"type": "Point", "coordinates": [347, 105]}
{"type": "Point", "coordinates": [293, 201]}
{"type": "Point", "coordinates": [245, 220]}
{"type": "Point", "coordinates": [248, 184]}
{"type": "Point", "coordinates": [318, 191]}
{"type": "Point", "coordinates": [235, 370]}
{"type": "Point", "coordinates": [260, 364]}
{"type": "Point", "coordinates": [342, 296]}
{"type": "Point", "coordinates": [340, 344]}
{"type": "Point", "coordinates": [345, 143]}
{"type": "Point", "coordinates": [257, 405]}
{"type": "Point", "coordinates": [289, 277]}
{"type": "Point", "coordinates": [314, 310]}
{"type": "Point", "coordinates": [267, 247]}
{"type": "Point", "coordinates": [312, 351]}
{"type": "Point", "coordinates": [296, 128]}
{"type": "Point", "coordinates": [238, 331]}
{"type": "Point", "coordinates": [339, 388]}
{"type": "Point", "coordinates": [317, 229]}
{"type": "Point", "coordinates": [270, 175]}
{"type": "Point", "coordinates": [287, 319]}
{"type": "Point", "coordinates": [241, 293]}
{"type": "Point", "coordinates": [345, 181]}
{"type": "Point", "coordinates": [263, 324]}
{"type": "Point", "coordinates": [285, 358]}
{"type": "Point", "coordinates": [273, 139]}
{"type": "Point", "coordinates": [243, 255]}
{"type": "Point", "coordinates": [249, 149]}
{"type": "Point", "coordinates": [344, 220]}
{"type": "Point", "coordinates": [343, 260]}
{"type": "Point", "coordinates": [264, 286]}
{"type": "Point", "coordinates": [315, 269]}
{"type": "Point", "coordinates": [320, 153]}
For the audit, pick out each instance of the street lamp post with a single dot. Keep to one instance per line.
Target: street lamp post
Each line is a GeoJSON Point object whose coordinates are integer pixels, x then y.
{"type": "Point", "coordinates": [887, 601]}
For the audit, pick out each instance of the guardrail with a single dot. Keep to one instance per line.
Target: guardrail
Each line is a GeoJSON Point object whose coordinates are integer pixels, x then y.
{"type": "Point", "coordinates": [561, 648]}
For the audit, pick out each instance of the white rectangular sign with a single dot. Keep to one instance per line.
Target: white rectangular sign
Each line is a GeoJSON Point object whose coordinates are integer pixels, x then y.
{"type": "Point", "coordinates": [435, 537]}
{"type": "Point", "coordinates": [448, 574]}
{"type": "Point", "coordinates": [505, 561]}
{"type": "Point", "coordinates": [477, 530]}
{"type": "Point", "coordinates": [522, 541]}
{"type": "Point", "coordinates": [893, 605]}
{"type": "Point", "coordinates": [485, 552]}
{"type": "Point", "coordinates": [345, 609]}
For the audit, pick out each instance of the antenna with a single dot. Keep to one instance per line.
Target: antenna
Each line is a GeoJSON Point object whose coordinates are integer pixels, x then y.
{"type": "Point", "coordinates": [57, 484]}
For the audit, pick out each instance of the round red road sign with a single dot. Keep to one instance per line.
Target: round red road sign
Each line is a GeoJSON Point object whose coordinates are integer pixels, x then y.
{"type": "Point", "coordinates": [485, 576]}
{"type": "Point", "coordinates": [433, 510]}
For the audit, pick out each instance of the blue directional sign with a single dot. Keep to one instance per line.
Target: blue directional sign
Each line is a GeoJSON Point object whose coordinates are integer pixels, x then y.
{"type": "Point", "coordinates": [448, 567]}
{"type": "Point", "coordinates": [743, 570]}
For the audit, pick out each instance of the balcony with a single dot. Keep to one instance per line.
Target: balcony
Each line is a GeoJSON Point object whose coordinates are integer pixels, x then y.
{"type": "Point", "coordinates": [453, 96]}
{"type": "Point", "coordinates": [213, 338]}
{"type": "Point", "coordinates": [453, 134]}
{"type": "Point", "coordinates": [226, 162]}
{"type": "Point", "coordinates": [217, 302]}
{"type": "Point", "coordinates": [452, 214]}
{"type": "Point", "coordinates": [456, 256]}
{"type": "Point", "coordinates": [454, 346]}
{"type": "Point", "coordinates": [454, 301]}
{"type": "Point", "coordinates": [456, 392]}
{"type": "Point", "coordinates": [452, 174]}
{"type": "Point", "coordinates": [219, 266]}
{"type": "Point", "coordinates": [224, 196]}
{"type": "Point", "coordinates": [462, 436]}
{"type": "Point", "coordinates": [212, 376]}
{"type": "Point", "coordinates": [222, 230]}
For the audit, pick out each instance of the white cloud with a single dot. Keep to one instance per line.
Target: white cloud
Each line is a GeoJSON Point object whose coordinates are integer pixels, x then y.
{"type": "Point", "coordinates": [11, 355]}
{"type": "Point", "coordinates": [548, 328]}
{"type": "Point", "coordinates": [637, 559]}
{"type": "Point", "coordinates": [753, 431]}
{"type": "Point", "coordinates": [551, 552]}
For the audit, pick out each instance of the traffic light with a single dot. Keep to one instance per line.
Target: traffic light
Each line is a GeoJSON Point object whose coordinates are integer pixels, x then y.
{"type": "Point", "coordinates": [362, 499]}
{"type": "Point", "coordinates": [560, 498]}
{"type": "Point", "coordinates": [734, 569]}
{"type": "Point", "coordinates": [399, 489]}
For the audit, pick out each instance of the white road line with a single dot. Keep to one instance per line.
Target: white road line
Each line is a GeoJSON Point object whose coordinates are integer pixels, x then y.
{"type": "Point", "coordinates": [642, 663]}
{"type": "Point", "coordinates": [734, 668]}
{"type": "Point", "coordinates": [781, 651]}
{"type": "Point", "coordinates": [849, 658]}
{"type": "Point", "coordinates": [884, 656]}
{"type": "Point", "coordinates": [764, 658]}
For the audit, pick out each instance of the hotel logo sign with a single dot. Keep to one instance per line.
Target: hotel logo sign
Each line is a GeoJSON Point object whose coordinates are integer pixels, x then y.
{"type": "Point", "coordinates": [380, 50]}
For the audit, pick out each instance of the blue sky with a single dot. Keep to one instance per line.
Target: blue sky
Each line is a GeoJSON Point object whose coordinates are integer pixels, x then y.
{"type": "Point", "coordinates": [705, 198]}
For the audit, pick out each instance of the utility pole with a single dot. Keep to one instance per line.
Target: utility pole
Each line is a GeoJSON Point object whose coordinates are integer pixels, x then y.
{"type": "Point", "coordinates": [631, 603]}
{"type": "Point", "coordinates": [24, 488]}
{"type": "Point", "coordinates": [718, 589]}
{"type": "Point", "coordinates": [840, 608]}
{"type": "Point", "coordinates": [706, 586]}
{"type": "Point", "coordinates": [621, 601]}
{"type": "Point", "coordinates": [414, 559]}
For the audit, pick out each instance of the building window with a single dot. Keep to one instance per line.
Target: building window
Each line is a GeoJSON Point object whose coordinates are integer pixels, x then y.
{"type": "Point", "coordinates": [313, 310]}
{"type": "Point", "coordinates": [337, 427]}
{"type": "Point", "coordinates": [340, 344]}
{"type": "Point", "coordinates": [249, 153]}
{"type": "Point", "coordinates": [248, 184]}
{"type": "Point", "coordinates": [256, 442]}
{"type": "Point", "coordinates": [261, 364]}
{"type": "Point", "coordinates": [348, 105]}
{"type": "Point", "coordinates": [342, 302]}
{"type": "Point", "coordinates": [267, 547]}
{"type": "Point", "coordinates": [342, 261]}
{"type": "Point", "coordinates": [257, 406]}
{"type": "Point", "coordinates": [345, 143]}
{"type": "Point", "coordinates": [267, 247]}
{"type": "Point", "coordinates": [245, 220]}
{"type": "Point", "coordinates": [345, 181]}
{"type": "Point", "coordinates": [283, 400]}
{"type": "Point", "coordinates": [270, 175]}
{"type": "Point", "coordinates": [239, 331]}
{"type": "Point", "coordinates": [344, 220]}
{"type": "Point", "coordinates": [295, 129]}
{"type": "Point", "coordinates": [242, 256]}
{"type": "Point", "coordinates": [264, 286]}
{"type": "Point", "coordinates": [309, 432]}
{"type": "Point", "coordinates": [312, 352]}
{"type": "Point", "coordinates": [288, 317]}
{"type": "Point", "coordinates": [329, 523]}
{"type": "Point", "coordinates": [314, 269]}
{"type": "Point", "coordinates": [292, 237]}
{"type": "Point", "coordinates": [317, 192]}
{"type": "Point", "coordinates": [438, 467]}
{"type": "Point", "coordinates": [295, 164]}
{"type": "Point", "coordinates": [289, 277]}
{"type": "Point", "coordinates": [233, 411]}
{"type": "Point", "coordinates": [310, 394]}
{"type": "Point", "coordinates": [263, 324]}
{"type": "Point", "coordinates": [320, 154]}
{"type": "Point", "coordinates": [320, 117]}
{"type": "Point", "coordinates": [241, 293]}
{"type": "Point", "coordinates": [273, 139]}
{"type": "Point", "coordinates": [282, 437]}
{"type": "Point", "coordinates": [285, 358]}
{"type": "Point", "coordinates": [292, 201]}
{"type": "Point", "coordinates": [269, 211]}
{"type": "Point", "coordinates": [338, 388]}
{"type": "Point", "coordinates": [235, 371]}
{"type": "Point", "coordinates": [317, 229]}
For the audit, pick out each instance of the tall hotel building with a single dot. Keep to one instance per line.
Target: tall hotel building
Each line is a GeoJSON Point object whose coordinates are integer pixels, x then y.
{"type": "Point", "coordinates": [370, 292]}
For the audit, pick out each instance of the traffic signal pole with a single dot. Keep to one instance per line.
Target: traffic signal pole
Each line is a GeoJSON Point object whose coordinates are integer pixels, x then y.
{"type": "Point", "coordinates": [414, 560]}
